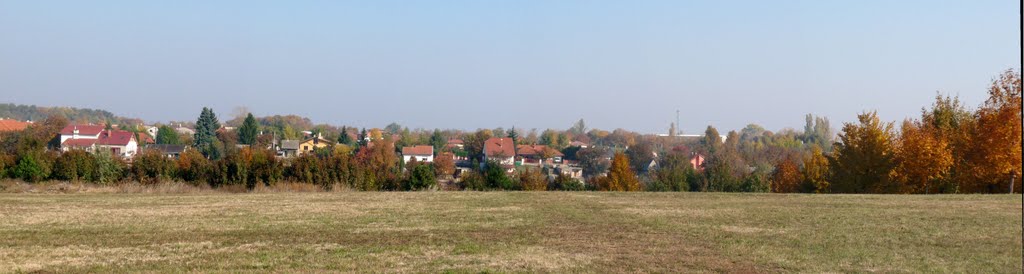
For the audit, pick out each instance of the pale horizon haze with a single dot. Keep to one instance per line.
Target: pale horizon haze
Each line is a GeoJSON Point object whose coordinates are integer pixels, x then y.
{"type": "Point", "coordinates": [528, 64]}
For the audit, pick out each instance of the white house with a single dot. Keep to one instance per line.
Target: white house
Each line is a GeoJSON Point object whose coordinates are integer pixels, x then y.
{"type": "Point", "coordinates": [184, 130]}
{"type": "Point", "coordinates": [422, 154]}
{"type": "Point", "coordinates": [93, 137]}
{"type": "Point", "coordinates": [152, 131]}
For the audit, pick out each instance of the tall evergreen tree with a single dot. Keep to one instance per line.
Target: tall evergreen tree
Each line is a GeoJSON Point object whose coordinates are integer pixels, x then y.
{"type": "Point", "coordinates": [248, 131]}
{"type": "Point", "coordinates": [362, 137]}
{"type": "Point", "coordinates": [205, 138]}
{"type": "Point", "coordinates": [343, 138]}
{"type": "Point", "coordinates": [513, 134]}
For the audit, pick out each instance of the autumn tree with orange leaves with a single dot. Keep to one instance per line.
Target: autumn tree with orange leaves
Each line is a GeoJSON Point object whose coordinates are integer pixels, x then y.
{"type": "Point", "coordinates": [787, 177]}
{"type": "Point", "coordinates": [922, 158]}
{"type": "Point", "coordinates": [620, 176]}
{"type": "Point", "coordinates": [995, 155]}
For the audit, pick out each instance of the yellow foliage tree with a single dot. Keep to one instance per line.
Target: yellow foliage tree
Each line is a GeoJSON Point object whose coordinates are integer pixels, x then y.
{"type": "Point", "coordinates": [922, 159]}
{"type": "Point", "coordinates": [620, 176]}
{"type": "Point", "coordinates": [863, 158]}
{"type": "Point", "coordinates": [815, 171]}
{"type": "Point", "coordinates": [531, 179]}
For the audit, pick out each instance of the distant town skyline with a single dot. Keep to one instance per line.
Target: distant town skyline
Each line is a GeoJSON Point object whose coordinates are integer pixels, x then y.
{"type": "Point", "coordinates": [528, 64]}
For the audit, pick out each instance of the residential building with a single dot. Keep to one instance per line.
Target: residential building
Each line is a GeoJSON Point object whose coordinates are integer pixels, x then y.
{"type": "Point", "coordinates": [7, 125]}
{"type": "Point", "coordinates": [93, 137]}
{"type": "Point", "coordinates": [289, 148]}
{"type": "Point", "coordinates": [185, 131]}
{"type": "Point", "coordinates": [579, 144]}
{"type": "Point", "coordinates": [152, 130]}
{"type": "Point", "coordinates": [455, 144]}
{"type": "Point", "coordinates": [310, 144]}
{"type": "Point", "coordinates": [533, 154]}
{"type": "Point", "coordinates": [146, 139]}
{"type": "Point", "coordinates": [171, 151]}
{"type": "Point", "coordinates": [697, 161]}
{"type": "Point", "coordinates": [500, 150]}
{"type": "Point", "coordinates": [422, 153]}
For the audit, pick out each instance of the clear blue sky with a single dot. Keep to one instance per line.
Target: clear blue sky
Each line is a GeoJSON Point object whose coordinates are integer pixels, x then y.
{"type": "Point", "coordinates": [531, 64]}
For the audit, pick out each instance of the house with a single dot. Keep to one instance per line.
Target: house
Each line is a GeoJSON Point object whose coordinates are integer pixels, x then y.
{"type": "Point", "coordinates": [289, 148]}
{"type": "Point", "coordinates": [80, 132]}
{"type": "Point", "coordinates": [571, 171]}
{"type": "Point", "coordinates": [171, 151]}
{"type": "Point", "coordinates": [653, 164]}
{"type": "Point", "coordinates": [146, 139]}
{"type": "Point", "coordinates": [152, 130]}
{"type": "Point", "coordinates": [422, 153]}
{"type": "Point", "coordinates": [579, 144]}
{"type": "Point", "coordinates": [8, 125]}
{"type": "Point", "coordinates": [313, 143]}
{"type": "Point", "coordinates": [533, 154]}
{"type": "Point", "coordinates": [697, 161]}
{"type": "Point", "coordinates": [455, 144]}
{"type": "Point", "coordinates": [500, 150]}
{"type": "Point", "coordinates": [184, 130]}
{"type": "Point", "coordinates": [93, 137]}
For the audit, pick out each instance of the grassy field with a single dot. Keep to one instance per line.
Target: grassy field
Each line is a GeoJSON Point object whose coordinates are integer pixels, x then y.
{"type": "Point", "coordinates": [509, 232]}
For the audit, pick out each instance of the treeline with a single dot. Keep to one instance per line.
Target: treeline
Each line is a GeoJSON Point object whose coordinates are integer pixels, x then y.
{"type": "Point", "coordinates": [950, 148]}
{"type": "Point", "coordinates": [77, 115]}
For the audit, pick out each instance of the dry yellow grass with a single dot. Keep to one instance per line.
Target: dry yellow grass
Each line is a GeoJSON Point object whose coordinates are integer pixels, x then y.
{"type": "Point", "coordinates": [508, 232]}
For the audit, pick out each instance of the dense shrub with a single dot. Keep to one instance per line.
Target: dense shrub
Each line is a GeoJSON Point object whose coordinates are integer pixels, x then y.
{"type": "Point", "coordinates": [420, 177]}
{"type": "Point", "coordinates": [32, 167]}
{"type": "Point", "coordinates": [192, 166]}
{"type": "Point", "coordinates": [109, 167]}
{"type": "Point", "coordinates": [474, 180]}
{"type": "Point", "coordinates": [496, 178]}
{"type": "Point", "coordinates": [151, 166]}
{"type": "Point", "coordinates": [565, 183]}
{"type": "Point", "coordinates": [74, 165]}
{"type": "Point", "coordinates": [531, 179]}
{"type": "Point", "coordinates": [264, 167]}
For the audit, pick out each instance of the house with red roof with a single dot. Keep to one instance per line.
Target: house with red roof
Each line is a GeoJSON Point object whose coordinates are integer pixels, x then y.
{"type": "Point", "coordinates": [8, 125]}
{"type": "Point", "coordinates": [534, 154]}
{"type": "Point", "coordinates": [422, 153]}
{"type": "Point", "coordinates": [501, 150]}
{"type": "Point", "coordinates": [94, 137]}
{"type": "Point", "coordinates": [697, 161]}
{"type": "Point", "coordinates": [455, 144]}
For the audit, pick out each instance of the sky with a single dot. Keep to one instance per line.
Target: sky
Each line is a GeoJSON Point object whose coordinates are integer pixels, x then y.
{"type": "Point", "coordinates": [528, 64]}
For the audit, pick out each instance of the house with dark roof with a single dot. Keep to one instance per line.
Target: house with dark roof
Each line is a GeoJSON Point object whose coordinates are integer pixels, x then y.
{"type": "Point", "coordinates": [288, 148]}
{"type": "Point", "coordinates": [94, 137]}
{"type": "Point", "coordinates": [171, 151]}
{"type": "Point", "coordinates": [421, 153]}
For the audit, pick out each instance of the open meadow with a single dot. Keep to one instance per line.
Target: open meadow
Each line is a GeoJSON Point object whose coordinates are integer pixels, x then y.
{"type": "Point", "coordinates": [509, 232]}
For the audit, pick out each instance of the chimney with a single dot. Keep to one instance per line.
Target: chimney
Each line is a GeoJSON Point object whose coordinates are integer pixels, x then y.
{"type": "Point", "coordinates": [74, 134]}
